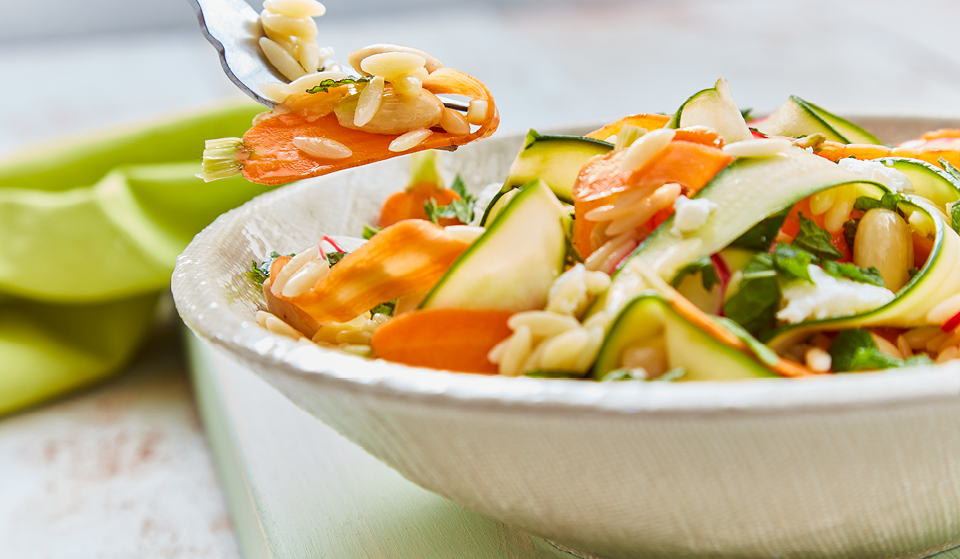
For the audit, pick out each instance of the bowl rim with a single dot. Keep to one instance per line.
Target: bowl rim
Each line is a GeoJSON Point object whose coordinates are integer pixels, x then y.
{"type": "Point", "coordinates": [206, 311]}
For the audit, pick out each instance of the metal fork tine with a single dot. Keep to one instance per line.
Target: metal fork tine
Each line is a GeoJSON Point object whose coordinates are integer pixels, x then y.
{"type": "Point", "coordinates": [233, 28]}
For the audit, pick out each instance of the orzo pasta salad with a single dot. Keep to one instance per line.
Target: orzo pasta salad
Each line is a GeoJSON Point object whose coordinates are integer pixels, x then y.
{"type": "Point", "coordinates": [327, 119]}
{"type": "Point", "coordinates": [701, 245]}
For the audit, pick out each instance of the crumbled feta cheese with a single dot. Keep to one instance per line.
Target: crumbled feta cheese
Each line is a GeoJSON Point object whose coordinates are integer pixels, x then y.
{"type": "Point", "coordinates": [829, 297]}
{"type": "Point", "coordinates": [483, 200]}
{"type": "Point", "coordinates": [875, 171]}
{"type": "Point", "coordinates": [690, 215]}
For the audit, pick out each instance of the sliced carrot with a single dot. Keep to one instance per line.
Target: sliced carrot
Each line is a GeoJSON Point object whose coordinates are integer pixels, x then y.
{"type": "Point", "coordinates": [271, 158]}
{"type": "Point", "coordinates": [408, 204]}
{"type": "Point", "coordinates": [690, 164]}
{"type": "Point", "coordinates": [642, 120]}
{"type": "Point", "coordinates": [407, 257]}
{"type": "Point", "coordinates": [699, 135]}
{"type": "Point", "coordinates": [452, 339]}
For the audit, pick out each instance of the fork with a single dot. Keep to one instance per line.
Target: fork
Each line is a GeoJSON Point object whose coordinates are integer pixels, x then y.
{"type": "Point", "coordinates": [234, 29]}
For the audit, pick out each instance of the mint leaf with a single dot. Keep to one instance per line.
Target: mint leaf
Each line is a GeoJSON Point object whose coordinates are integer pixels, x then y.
{"type": "Point", "coordinates": [850, 231]}
{"type": "Point", "coordinates": [815, 240]}
{"type": "Point", "coordinates": [325, 85]}
{"type": "Point", "coordinates": [754, 306]}
{"type": "Point", "coordinates": [761, 236]}
{"type": "Point", "coordinates": [369, 231]}
{"type": "Point", "coordinates": [793, 262]}
{"type": "Point", "coordinates": [855, 350]}
{"type": "Point", "coordinates": [889, 201]}
{"type": "Point", "coordinates": [846, 270]}
{"type": "Point", "coordinates": [708, 273]}
{"type": "Point", "coordinates": [461, 209]}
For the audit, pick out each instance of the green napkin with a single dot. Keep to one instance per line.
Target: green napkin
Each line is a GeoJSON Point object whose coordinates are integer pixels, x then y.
{"type": "Point", "coordinates": [90, 229]}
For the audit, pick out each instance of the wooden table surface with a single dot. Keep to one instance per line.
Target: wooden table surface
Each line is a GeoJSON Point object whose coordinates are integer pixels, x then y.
{"type": "Point", "coordinates": [124, 470]}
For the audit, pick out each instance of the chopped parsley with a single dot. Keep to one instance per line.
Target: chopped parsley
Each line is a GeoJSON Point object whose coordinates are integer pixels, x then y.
{"type": "Point", "coordinates": [708, 273]}
{"type": "Point", "coordinates": [325, 85]}
{"type": "Point", "coordinates": [855, 350]}
{"type": "Point", "coordinates": [461, 209]}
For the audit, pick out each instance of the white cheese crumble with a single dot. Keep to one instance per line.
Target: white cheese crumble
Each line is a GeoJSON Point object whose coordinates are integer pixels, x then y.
{"type": "Point", "coordinates": [829, 297]}
{"type": "Point", "coordinates": [875, 171]}
{"type": "Point", "coordinates": [690, 214]}
{"type": "Point", "coordinates": [483, 200]}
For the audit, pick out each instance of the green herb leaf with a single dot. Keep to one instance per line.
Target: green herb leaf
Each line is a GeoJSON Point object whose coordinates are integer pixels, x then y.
{"type": "Point", "coordinates": [761, 236]}
{"type": "Point", "coordinates": [672, 375]}
{"type": "Point", "coordinates": [617, 375]}
{"type": "Point", "coordinates": [846, 270]}
{"type": "Point", "coordinates": [954, 172]}
{"type": "Point", "coordinates": [855, 350]}
{"type": "Point", "coordinates": [793, 262]}
{"type": "Point", "coordinates": [385, 308]}
{"type": "Point", "coordinates": [461, 209]}
{"type": "Point", "coordinates": [754, 306]}
{"type": "Point", "coordinates": [913, 271]}
{"type": "Point", "coordinates": [745, 113]}
{"type": "Point", "coordinates": [704, 266]}
{"type": "Point", "coordinates": [766, 355]}
{"type": "Point", "coordinates": [325, 85]}
{"type": "Point", "coordinates": [369, 231]}
{"type": "Point", "coordinates": [954, 209]}
{"type": "Point", "coordinates": [850, 231]}
{"type": "Point", "coordinates": [889, 201]}
{"type": "Point", "coordinates": [543, 373]}
{"type": "Point", "coordinates": [815, 240]}
{"type": "Point", "coordinates": [260, 272]}
{"type": "Point", "coordinates": [334, 257]}
{"type": "Point", "coordinates": [573, 255]}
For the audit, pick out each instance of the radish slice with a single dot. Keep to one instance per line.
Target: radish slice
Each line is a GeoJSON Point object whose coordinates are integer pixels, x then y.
{"type": "Point", "coordinates": [723, 273]}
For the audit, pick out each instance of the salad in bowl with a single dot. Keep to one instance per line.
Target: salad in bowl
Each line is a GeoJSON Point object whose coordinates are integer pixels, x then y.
{"type": "Point", "coordinates": [702, 245]}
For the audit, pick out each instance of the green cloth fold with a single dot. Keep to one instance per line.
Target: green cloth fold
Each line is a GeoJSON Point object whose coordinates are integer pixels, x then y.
{"type": "Point", "coordinates": [90, 229]}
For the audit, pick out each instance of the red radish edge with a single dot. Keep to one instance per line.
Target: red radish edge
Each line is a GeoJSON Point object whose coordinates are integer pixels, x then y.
{"type": "Point", "coordinates": [951, 324]}
{"type": "Point", "coordinates": [332, 243]}
{"type": "Point", "coordinates": [723, 273]}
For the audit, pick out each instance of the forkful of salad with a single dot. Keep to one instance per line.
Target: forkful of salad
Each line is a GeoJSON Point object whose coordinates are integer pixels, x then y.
{"type": "Point", "coordinates": [326, 116]}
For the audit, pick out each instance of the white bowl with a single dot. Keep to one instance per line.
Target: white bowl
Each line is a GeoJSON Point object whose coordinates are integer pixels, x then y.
{"type": "Point", "coordinates": [860, 465]}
